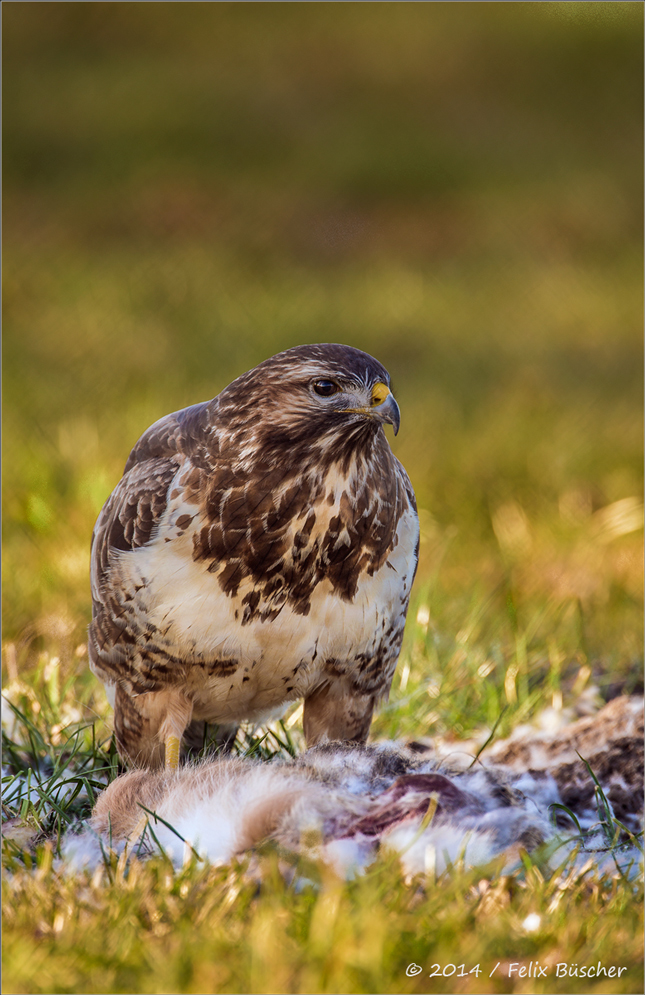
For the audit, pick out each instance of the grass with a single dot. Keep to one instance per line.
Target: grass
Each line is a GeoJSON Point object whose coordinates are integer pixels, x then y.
{"type": "Point", "coordinates": [209, 929]}
{"type": "Point", "coordinates": [188, 193]}
{"type": "Point", "coordinates": [271, 922]}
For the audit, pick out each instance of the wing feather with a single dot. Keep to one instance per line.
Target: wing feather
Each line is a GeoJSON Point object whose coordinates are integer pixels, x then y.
{"type": "Point", "coordinates": [127, 522]}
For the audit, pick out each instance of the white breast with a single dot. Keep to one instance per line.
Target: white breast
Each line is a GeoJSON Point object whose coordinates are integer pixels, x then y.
{"type": "Point", "coordinates": [196, 619]}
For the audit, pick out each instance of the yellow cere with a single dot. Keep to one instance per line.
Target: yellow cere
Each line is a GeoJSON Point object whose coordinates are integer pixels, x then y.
{"type": "Point", "coordinates": [379, 392]}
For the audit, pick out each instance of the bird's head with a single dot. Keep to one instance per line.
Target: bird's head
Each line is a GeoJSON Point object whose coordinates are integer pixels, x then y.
{"type": "Point", "coordinates": [309, 398]}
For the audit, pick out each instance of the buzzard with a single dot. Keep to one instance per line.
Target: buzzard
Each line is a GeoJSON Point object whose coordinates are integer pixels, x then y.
{"type": "Point", "coordinates": [259, 549]}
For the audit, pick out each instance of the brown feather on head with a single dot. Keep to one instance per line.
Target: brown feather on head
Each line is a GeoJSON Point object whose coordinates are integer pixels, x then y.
{"type": "Point", "coordinates": [305, 401]}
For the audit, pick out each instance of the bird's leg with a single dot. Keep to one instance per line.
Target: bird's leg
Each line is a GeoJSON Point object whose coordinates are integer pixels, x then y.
{"type": "Point", "coordinates": [171, 752]}
{"type": "Point", "coordinates": [178, 713]}
{"type": "Point", "coordinates": [336, 711]}
{"type": "Point", "coordinates": [149, 727]}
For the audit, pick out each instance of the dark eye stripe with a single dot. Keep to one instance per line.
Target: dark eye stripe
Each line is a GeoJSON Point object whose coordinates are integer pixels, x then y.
{"type": "Point", "coordinates": [325, 388]}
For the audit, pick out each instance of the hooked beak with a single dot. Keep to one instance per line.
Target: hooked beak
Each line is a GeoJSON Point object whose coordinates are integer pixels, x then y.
{"type": "Point", "coordinates": [384, 407]}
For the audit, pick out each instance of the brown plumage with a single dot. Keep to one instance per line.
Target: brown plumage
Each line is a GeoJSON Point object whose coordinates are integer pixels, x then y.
{"type": "Point", "coordinates": [259, 548]}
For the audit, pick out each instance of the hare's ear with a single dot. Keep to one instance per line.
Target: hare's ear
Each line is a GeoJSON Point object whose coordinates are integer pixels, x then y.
{"type": "Point", "coordinates": [118, 809]}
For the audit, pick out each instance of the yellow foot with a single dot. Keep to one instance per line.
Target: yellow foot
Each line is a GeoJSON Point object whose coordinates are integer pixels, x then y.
{"type": "Point", "coordinates": [172, 752]}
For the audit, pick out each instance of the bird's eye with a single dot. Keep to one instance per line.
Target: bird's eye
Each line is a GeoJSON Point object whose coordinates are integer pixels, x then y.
{"type": "Point", "coordinates": [326, 388]}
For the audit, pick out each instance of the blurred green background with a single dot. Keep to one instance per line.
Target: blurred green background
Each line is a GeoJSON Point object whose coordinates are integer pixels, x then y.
{"type": "Point", "coordinates": [454, 187]}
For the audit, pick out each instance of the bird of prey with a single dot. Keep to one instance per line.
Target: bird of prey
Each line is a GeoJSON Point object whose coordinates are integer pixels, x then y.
{"type": "Point", "coordinates": [259, 549]}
